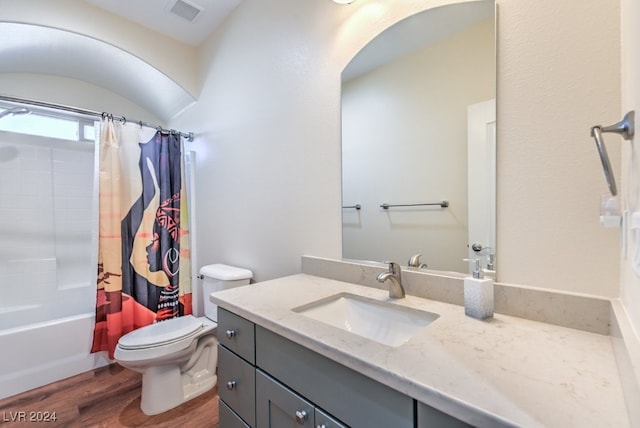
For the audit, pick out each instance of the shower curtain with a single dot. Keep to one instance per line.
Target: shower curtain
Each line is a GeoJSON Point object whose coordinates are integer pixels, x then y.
{"type": "Point", "coordinates": [143, 245]}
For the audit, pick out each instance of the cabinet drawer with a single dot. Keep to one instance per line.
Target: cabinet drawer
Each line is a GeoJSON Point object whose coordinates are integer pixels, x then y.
{"type": "Point", "coordinates": [326, 383]}
{"type": "Point", "coordinates": [237, 334]}
{"type": "Point", "coordinates": [228, 419]}
{"type": "Point", "coordinates": [237, 384]}
{"type": "Point", "coordinates": [277, 406]}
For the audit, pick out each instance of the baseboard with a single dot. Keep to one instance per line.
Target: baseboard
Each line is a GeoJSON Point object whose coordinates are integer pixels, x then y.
{"type": "Point", "coordinates": [626, 348]}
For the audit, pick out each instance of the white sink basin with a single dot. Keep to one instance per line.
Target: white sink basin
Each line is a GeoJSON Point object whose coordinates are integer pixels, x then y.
{"type": "Point", "coordinates": [383, 322]}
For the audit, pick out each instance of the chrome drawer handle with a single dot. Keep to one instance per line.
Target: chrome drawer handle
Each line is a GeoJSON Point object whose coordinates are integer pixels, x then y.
{"type": "Point", "coordinates": [301, 417]}
{"type": "Point", "coordinates": [230, 334]}
{"type": "Point", "coordinates": [321, 426]}
{"type": "Point", "coordinates": [231, 385]}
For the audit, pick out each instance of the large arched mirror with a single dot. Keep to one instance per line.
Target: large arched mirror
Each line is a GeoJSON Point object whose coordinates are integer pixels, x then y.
{"type": "Point", "coordinates": [418, 134]}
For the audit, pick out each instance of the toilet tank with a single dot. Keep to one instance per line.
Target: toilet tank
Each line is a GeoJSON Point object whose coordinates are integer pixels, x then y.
{"type": "Point", "coordinates": [218, 277]}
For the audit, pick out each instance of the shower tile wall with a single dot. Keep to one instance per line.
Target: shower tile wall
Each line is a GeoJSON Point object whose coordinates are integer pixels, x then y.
{"type": "Point", "coordinates": [46, 210]}
{"type": "Point", "coordinates": [73, 174]}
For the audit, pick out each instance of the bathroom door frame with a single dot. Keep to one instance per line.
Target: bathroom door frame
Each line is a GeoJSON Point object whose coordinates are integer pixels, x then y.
{"type": "Point", "coordinates": [481, 170]}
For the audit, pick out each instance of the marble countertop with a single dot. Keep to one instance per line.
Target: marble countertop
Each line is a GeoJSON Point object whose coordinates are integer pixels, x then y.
{"type": "Point", "coordinates": [506, 371]}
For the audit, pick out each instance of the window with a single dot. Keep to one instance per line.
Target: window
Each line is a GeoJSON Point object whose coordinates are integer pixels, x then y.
{"type": "Point", "coordinates": [50, 124]}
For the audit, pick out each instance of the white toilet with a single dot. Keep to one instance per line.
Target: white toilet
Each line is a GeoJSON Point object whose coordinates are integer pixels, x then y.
{"type": "Point", "coordinates": [178, 357]}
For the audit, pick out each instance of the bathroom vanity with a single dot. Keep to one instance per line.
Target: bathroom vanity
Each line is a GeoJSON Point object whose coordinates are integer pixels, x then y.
{"type": "Point", "coordinates": [280, 367]}
{"type": "Point", "coordinates": [263, 378]}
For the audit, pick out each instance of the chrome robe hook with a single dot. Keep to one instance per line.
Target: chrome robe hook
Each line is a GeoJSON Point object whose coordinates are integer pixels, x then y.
{"type": "Point", "coordinates": [626, 129]}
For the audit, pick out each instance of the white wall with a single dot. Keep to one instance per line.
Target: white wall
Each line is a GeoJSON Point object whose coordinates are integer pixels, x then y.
{"type": "Point", "coordinates": [558, 75]}
{"type": "Point", "coordinates": [404, 141]}
{"type": "Point", "coordinates": [268, 125]}
{"type": "Point", "coordinates": [630, 282]}
{"type": "Point", "coordinates": [267, 137]}
{"type": "Point", "coordinates": [268, 130]}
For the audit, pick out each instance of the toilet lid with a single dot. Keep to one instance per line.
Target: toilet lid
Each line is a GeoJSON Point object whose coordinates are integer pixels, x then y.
{"type": "Point", "coordinates": [161, 333]}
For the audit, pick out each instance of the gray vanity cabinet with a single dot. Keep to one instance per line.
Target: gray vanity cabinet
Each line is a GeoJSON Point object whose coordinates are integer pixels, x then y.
{"type": "Point", "coordinates": [324, 420]}
{"type": "Point", "coordinates": [268, 381]}
{"type": "Point", "coordinates": [354, 399]}
{"type": "Point", "coordinates": [228, 418]}
{"type": "Point", "coordinates": [236, 371]}
{"type": "Point", "coordinates": [428, 417]}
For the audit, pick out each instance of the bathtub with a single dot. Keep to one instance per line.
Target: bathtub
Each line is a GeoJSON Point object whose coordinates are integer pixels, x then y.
{"type": "Point", "coordinates": [36, 352]}
{"type": "Point", "coordinates": [48, 259]}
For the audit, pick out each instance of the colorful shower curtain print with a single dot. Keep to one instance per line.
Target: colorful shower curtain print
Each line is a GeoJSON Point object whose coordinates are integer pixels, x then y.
{"type": "Point", "coordinates": [143, 245]}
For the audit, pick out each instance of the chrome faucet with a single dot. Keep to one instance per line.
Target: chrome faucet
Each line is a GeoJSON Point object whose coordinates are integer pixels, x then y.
{"type": "Point", "coordinates": [396, 290]}
{"type": "Point", "coordinates": [414, 261]}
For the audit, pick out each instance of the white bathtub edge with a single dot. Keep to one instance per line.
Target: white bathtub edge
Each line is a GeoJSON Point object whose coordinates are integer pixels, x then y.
{"type": "Point", "coordinates": [48, 353]}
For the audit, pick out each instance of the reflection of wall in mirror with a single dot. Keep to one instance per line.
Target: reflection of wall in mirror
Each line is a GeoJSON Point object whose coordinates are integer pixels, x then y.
{"type": "Point", "coordinates": [405, 141]}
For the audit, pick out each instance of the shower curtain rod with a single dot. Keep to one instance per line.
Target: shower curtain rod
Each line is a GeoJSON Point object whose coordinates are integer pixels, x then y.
{"type": "Point", "coordinates": [187, 135]}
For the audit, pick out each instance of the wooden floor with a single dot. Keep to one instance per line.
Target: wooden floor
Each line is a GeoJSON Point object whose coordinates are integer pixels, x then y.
{"type": "Point", "coordinates": [106, 397]}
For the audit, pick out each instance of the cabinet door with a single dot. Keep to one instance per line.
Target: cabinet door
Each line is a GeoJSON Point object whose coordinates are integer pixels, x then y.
{"type": "Point", "coordinates": [279, 407]}
{"type": "Point", "coordinates": [353, 398]}
{"type": "Point", "coordinates": [323, 420]}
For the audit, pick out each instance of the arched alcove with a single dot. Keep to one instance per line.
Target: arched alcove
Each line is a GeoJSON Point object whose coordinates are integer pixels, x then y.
{"type": "Point", "coordinates": [37, 49]}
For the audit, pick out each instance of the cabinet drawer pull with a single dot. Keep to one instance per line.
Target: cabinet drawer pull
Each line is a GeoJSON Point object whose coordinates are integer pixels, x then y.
{"type": "Point", "coordinates": [321, 426]}
{"type": "Point", "coordinates": [301, 417]}
{"type": "Point", "coordinates": [230, 334]}
{"type": "Point", "coordinates": [231, 385]}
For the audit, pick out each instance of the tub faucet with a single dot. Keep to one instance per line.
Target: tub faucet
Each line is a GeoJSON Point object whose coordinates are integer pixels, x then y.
{"type": "Point", "coordinates": [396, 290]}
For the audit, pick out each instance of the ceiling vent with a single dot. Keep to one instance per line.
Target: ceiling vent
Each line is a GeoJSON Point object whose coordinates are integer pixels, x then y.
{"type": "Point", "coordinates": [186, 10]}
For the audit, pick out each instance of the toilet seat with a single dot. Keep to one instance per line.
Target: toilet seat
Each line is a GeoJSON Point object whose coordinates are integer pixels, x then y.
{"type": "Point", "coordinates": [162, 333]}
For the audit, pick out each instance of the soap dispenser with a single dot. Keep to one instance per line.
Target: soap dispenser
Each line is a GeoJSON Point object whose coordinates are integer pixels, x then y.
{"type": "Point", "coordinates": [478, 294]}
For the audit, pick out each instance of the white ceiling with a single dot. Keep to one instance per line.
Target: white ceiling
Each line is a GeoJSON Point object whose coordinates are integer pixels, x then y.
{"type": "Point", "coordinates": [156, 15]}
{"type": "Point", "coordinates": [32, 49]}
